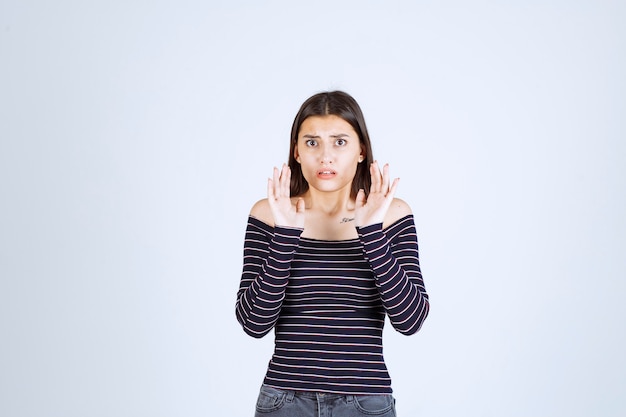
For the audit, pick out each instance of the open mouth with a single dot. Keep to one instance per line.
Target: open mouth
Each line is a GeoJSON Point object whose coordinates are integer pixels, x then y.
{"type": "Point", "coordinates": [326, 173]}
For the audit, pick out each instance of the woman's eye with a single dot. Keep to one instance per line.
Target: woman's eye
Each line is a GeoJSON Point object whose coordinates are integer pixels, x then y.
{"type": "Point", "coordinates": [310, 142]}
{"type": "Point", "coordinates": [340, 142]}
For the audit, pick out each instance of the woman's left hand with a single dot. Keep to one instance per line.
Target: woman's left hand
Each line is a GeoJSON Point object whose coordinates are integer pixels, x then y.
{"type": "Point", "coordinates": [373, 209]}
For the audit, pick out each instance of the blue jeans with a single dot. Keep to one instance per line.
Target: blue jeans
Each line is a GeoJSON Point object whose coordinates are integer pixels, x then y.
{"type": "Point", "coordinates": [274, 402]}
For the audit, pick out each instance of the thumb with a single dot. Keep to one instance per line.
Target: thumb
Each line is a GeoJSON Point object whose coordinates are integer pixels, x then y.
{"type": "Point", "coordinates": [300, 205]}
{"type": "Point", "coordinates": [360, 198]}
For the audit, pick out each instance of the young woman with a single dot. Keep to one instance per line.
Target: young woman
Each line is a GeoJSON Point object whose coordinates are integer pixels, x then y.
{"type": "Point", "coordinates": [327, 255]}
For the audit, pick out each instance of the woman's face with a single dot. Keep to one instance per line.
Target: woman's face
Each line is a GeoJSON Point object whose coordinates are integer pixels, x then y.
{"type": "Point", "coordinates": [329, 151]}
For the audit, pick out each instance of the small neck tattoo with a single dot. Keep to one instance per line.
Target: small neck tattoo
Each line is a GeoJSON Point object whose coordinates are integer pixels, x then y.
{"type": "Point", "coordinates": [346, 220]}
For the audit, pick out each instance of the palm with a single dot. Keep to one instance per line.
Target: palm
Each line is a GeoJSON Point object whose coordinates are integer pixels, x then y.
{"type": "Point", "coordinates": [373, 209]}
{"type": "Point", "coordinates": [284, 211]}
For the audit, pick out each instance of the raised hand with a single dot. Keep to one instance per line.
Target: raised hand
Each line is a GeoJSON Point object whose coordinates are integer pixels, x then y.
{"type": "Point", "coordinates": [286, 213]}
{"type": "Point", "coordinates": [373, 209]}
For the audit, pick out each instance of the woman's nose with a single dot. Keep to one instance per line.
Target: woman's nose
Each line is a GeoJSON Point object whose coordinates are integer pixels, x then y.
{"type": "Point", "coordinates": [326, 156]}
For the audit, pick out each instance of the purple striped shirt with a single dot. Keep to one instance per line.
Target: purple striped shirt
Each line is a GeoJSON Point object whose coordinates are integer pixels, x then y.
{"type": "Point", "coordinates": [326, 301]}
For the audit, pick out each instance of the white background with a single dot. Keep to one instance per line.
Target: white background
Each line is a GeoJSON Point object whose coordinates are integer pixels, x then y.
{"type": "Point", "coordinates": [136, 135]}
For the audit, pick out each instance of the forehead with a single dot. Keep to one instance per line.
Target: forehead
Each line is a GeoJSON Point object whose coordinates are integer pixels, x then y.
{"type": "Point", "coordinates": [325, 125]}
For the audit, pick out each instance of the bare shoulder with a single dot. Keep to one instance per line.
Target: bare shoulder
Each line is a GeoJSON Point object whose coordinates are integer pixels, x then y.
{"type": "Point", "coordinates": [261, 210]}
{"type": "Point", "coordinates": [397, 210]}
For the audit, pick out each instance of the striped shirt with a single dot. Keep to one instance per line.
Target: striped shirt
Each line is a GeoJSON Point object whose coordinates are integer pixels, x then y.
{"type": "Point", "coordinates": [326, 301]}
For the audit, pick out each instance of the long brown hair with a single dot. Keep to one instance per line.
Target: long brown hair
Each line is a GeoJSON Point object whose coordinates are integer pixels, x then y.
{"type": "Point", "coordinates": [339, 104]}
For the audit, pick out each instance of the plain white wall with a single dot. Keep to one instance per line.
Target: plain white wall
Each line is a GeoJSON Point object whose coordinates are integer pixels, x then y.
{"type": "Point", "coordinates": [135, 136]}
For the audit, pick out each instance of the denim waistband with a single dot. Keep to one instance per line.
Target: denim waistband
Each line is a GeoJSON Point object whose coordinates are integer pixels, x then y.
{"type": "Point", "coordinates": [290, 394]}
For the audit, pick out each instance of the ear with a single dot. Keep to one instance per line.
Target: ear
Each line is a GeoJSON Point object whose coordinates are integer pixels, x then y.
{"type": "Point", "coordinates": [362, 155]}
{"type": "Point", "coordinates": [296, 155]}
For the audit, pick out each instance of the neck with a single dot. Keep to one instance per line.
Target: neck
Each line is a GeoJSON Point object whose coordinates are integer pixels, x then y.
{"type": "Point", "coordinates": [330, 203]}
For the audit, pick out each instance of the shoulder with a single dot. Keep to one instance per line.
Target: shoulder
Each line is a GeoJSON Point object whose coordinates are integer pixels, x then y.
{"type": "Point", "coordinates": [397, 210]}
{"type": "Point", "coordinates": [261, 210]}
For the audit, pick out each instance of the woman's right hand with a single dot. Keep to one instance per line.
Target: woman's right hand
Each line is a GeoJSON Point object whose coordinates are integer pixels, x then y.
{"type": "Point", "coordinates": [286, 213]}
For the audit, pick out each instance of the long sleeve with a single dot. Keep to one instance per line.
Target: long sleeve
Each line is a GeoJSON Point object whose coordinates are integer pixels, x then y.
{"type": "Point", "coordinates": [394, 257]}
{"type": "Point", "coordinates": [267, 257]}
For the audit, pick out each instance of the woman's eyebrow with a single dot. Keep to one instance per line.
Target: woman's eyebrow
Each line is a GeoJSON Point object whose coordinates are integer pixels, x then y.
{"type": "Point", "coordinates": [338, 135]}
